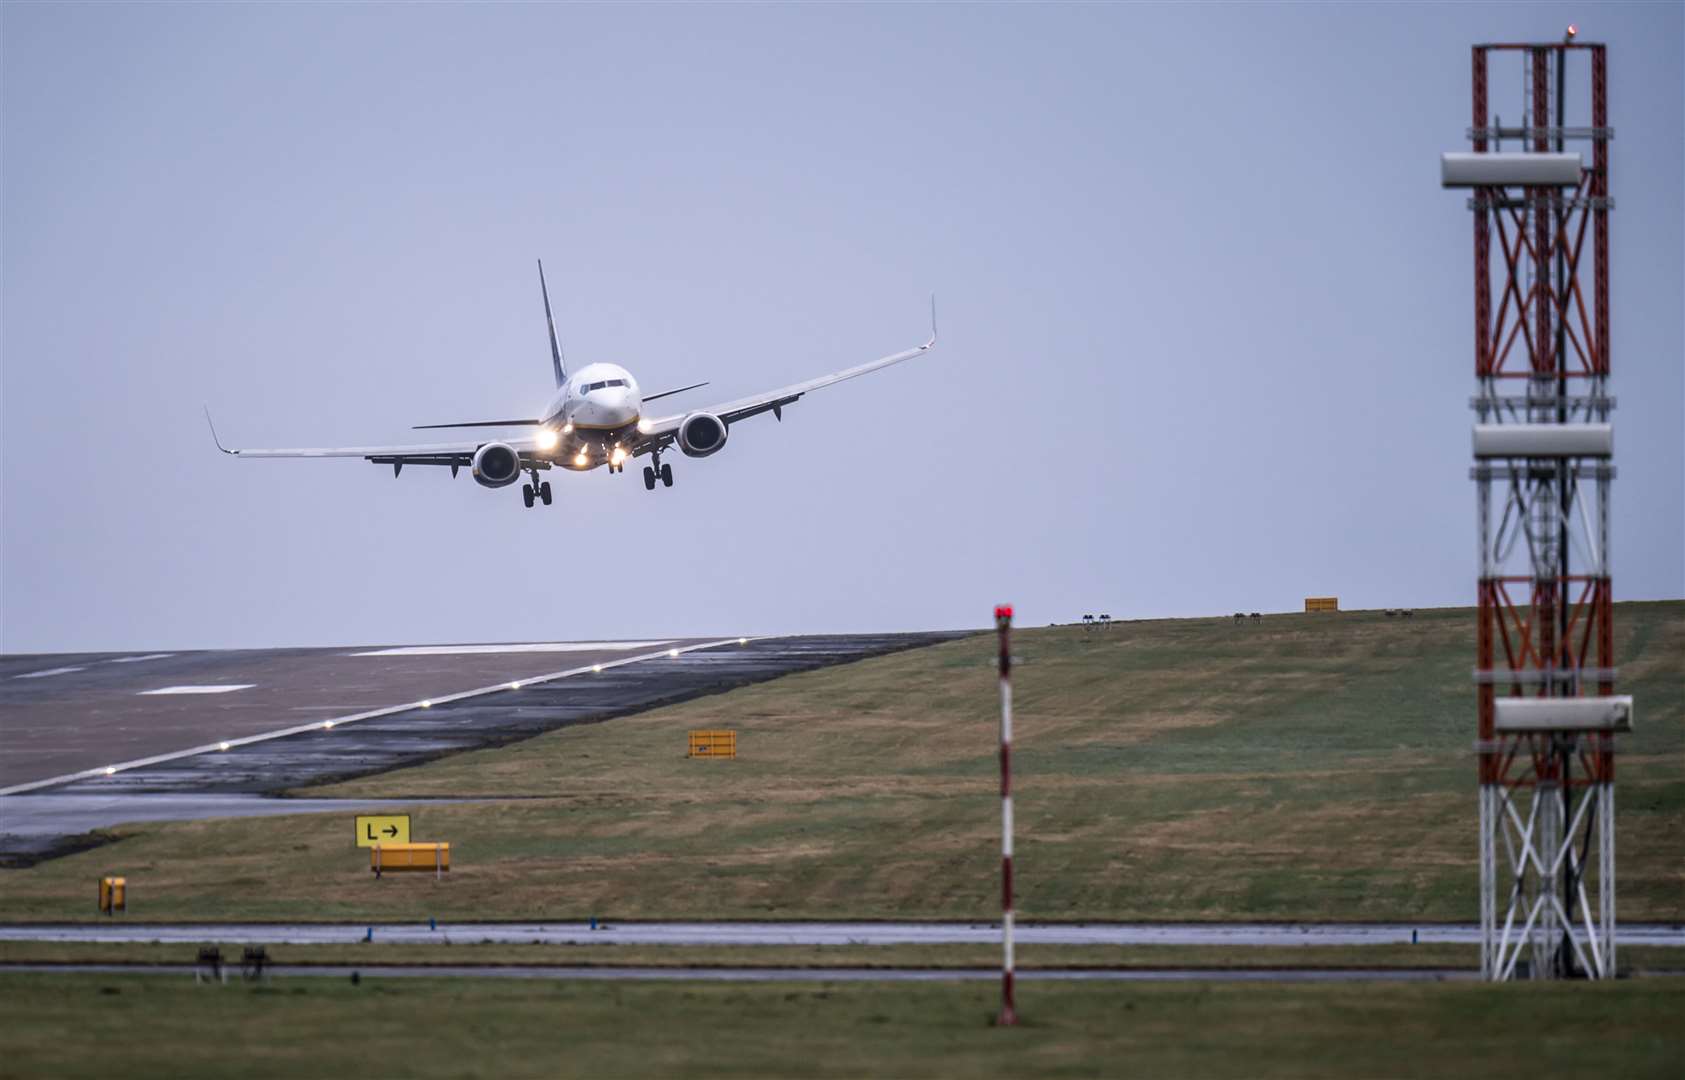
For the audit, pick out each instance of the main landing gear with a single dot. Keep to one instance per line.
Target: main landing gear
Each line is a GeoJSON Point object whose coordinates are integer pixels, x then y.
{"type": "Point", "coordinates": [662, 472]}
{"type": "Point", "coordinates": [535, 491]}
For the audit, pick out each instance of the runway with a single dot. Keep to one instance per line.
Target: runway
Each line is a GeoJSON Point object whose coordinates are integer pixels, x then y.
{"type": "Point", "coordinates": [65, 713]}
{"type": "Point", "coordinates": [770, 975]}
{"type": "Point", "coordinates": [798, 933]}
{"type": "Point", "coordinates": [260, 722]}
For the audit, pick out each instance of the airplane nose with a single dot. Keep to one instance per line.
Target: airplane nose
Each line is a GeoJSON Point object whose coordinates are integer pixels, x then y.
{"type": "Point", "coordinates": [613, 405]}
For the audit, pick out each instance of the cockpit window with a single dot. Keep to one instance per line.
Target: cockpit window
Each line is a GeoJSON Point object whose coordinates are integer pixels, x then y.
{"type": "Point", "coordinates": [588, 387]}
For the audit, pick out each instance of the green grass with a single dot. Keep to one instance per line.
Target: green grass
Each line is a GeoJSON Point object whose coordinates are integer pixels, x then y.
{"type": "Point", "coordinates": [157, 1025]}
{"type": "Point", "coordinates": [1308, 767]}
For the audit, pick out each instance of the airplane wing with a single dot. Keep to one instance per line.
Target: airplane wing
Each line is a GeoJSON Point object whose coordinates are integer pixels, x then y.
{"type": "Point", "coordinates": [457, 454]}
{"type": "Point", "coordinates": [657, 434]}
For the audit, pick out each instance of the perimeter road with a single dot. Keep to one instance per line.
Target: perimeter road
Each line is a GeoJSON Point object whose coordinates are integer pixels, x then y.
{"type": "Point", "coordinates": [859, 933]}
{"type": "Point", "coordinates": [818, 975]}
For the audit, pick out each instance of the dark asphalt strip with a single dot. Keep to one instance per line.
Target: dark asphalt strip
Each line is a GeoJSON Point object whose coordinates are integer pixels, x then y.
{"type": "Point", "coordinates": [749, 974]}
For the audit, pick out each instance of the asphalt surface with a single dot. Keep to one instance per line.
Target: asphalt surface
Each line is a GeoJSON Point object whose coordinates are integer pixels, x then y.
{"type": "Point", "coordinates": [288, 726]}
{"type": "Point", "coordinates": [63, 713]}
{"type": "Point", "coordinates": [812, 975]}
{"type": "Point", "coordinates": [800, 933]}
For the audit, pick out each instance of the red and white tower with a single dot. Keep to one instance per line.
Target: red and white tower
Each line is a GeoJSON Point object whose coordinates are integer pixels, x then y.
{"type": "Point", "coordinates": [1543, 448]}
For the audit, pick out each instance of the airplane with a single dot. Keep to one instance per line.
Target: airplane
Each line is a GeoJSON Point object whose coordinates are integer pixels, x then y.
{"type": "Point", "coordinates": [594, 418]}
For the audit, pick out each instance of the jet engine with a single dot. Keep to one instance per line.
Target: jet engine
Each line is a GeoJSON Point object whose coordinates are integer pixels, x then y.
{"type": "Point", "coordinates": [702, 434]}
{"type": "Point", "coordinates": [496, 465]}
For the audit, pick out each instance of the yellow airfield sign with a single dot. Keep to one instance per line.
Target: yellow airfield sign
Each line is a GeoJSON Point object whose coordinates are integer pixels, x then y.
{"type": "Point", "coordinates": [382, 829]}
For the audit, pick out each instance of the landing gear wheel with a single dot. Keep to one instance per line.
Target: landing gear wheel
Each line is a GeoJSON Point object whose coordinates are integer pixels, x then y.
{"type": "Point", "coordinates": [544, 492]}
{"type": "Point", "coordinates": [649, 478]}
{"type": "Point", "coordinates": [526, 495]}
{"type": "Point", "coordinates": [666, 476]}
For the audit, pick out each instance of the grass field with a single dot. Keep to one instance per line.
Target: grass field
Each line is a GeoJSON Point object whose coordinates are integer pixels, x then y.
{"type": "Point", "coordinates": [1306, 767]}
{"type": "Point", "coordinates": [156, 1025]}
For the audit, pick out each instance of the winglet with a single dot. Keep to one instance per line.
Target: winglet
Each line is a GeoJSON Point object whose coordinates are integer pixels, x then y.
{"type": "Point", "coordinates": [932, 340]}
{"type": "Point", "coordinates": [550, 321]}
{"type": "Point", "coordinates": [214, 439]}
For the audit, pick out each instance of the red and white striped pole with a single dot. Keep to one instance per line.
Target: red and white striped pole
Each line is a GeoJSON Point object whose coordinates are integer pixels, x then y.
{"type": "Point", "coordinates": [1003, 623]}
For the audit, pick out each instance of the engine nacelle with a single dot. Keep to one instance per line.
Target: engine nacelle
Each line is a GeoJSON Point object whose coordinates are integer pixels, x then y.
{"type": "Point", "coordinates": [496, 465]}
{"type": "Point", "coordinates": [702, 434]}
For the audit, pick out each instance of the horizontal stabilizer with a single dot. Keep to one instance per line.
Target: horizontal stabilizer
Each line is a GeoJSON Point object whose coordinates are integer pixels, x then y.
{"type": "Point", "coordinates": [481, 423]}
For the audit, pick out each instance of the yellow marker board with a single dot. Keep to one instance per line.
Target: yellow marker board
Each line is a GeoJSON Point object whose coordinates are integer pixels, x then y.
{"type": "Point", "coordinates": [714, 744]}
{"type": "Point", "coordinates": [375, 829]}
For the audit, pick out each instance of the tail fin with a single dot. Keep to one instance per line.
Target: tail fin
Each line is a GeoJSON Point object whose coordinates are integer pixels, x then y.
{"type": "Point", "coordinates": [555, 349]}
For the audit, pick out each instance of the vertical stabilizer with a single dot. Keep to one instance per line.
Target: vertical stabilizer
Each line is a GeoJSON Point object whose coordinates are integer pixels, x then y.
{"type": "Point", "coordinates": [550, 321]}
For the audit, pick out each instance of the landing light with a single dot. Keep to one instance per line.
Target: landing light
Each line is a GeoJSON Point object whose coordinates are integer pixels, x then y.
{"type": "Point", "coordinates": [598, 668]}
{"type": "Point", "coordinates": [644, 427]}
{"type": "Point", "coordinates": [426, 704]}
{"type": "Point", "coordinates": [618, 456]}
{"type": "Point", "coordinates": [223, 745]}
{"type": "Point", "coordinates": [327, 724]}
{"type": "Point", "coordinates": [672, 652]}
{"type": "Point", "coordinates": [547, 439]}
{"type": "Point", "coordinates": [580, 459]}
{"type": "Point", "coordinates": [567, 428]}
{"type": "Point", "coordinates": [514, 686]}
{"type": "Point", "coordinates": [110, 770]}
{"type": "Point", "coordinates": [743, 641]}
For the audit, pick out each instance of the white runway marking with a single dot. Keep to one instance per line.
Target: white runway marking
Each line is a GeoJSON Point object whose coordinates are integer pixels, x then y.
{"type": "Point", "coordinates": [138, 659]}
{"type": "Point", "coordinates": [49, 671]}
{"type": "Point", "coordinates": [536, 647]}
{"type": "Point", "coordinates": [223, 689]}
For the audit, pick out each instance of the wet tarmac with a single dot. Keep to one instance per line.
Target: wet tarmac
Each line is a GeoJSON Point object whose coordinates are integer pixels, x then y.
{"type": "Point", "coordinates": [799, 933]}
{"type": "Point", "coordinates": [64, 713]}
{"type": "Point", "coordinates": [35, 824]}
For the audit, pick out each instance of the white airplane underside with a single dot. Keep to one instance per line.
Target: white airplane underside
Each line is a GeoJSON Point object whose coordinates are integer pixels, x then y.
{"type": "Point", "coordinates": [595, 418]}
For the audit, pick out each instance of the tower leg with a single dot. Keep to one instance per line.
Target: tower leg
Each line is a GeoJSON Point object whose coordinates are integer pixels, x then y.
{"type": "Point", "coordinates": [1489, 824]}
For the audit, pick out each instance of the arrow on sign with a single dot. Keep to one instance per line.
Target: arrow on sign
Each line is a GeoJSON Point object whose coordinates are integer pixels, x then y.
{"type": "Point", "coordinates": [377, 829]}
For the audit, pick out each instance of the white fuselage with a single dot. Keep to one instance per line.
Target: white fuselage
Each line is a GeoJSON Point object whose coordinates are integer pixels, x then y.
{"type": "Point", "coordinates": [594, 415]}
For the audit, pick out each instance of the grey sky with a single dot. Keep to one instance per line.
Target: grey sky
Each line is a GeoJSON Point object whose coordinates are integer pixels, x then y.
{"type": "Point", "coordinates": [1205, 311]}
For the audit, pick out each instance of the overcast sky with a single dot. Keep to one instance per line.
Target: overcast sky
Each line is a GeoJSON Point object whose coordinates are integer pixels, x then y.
{"type": "Point", "coordinates": [1205, 312]}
